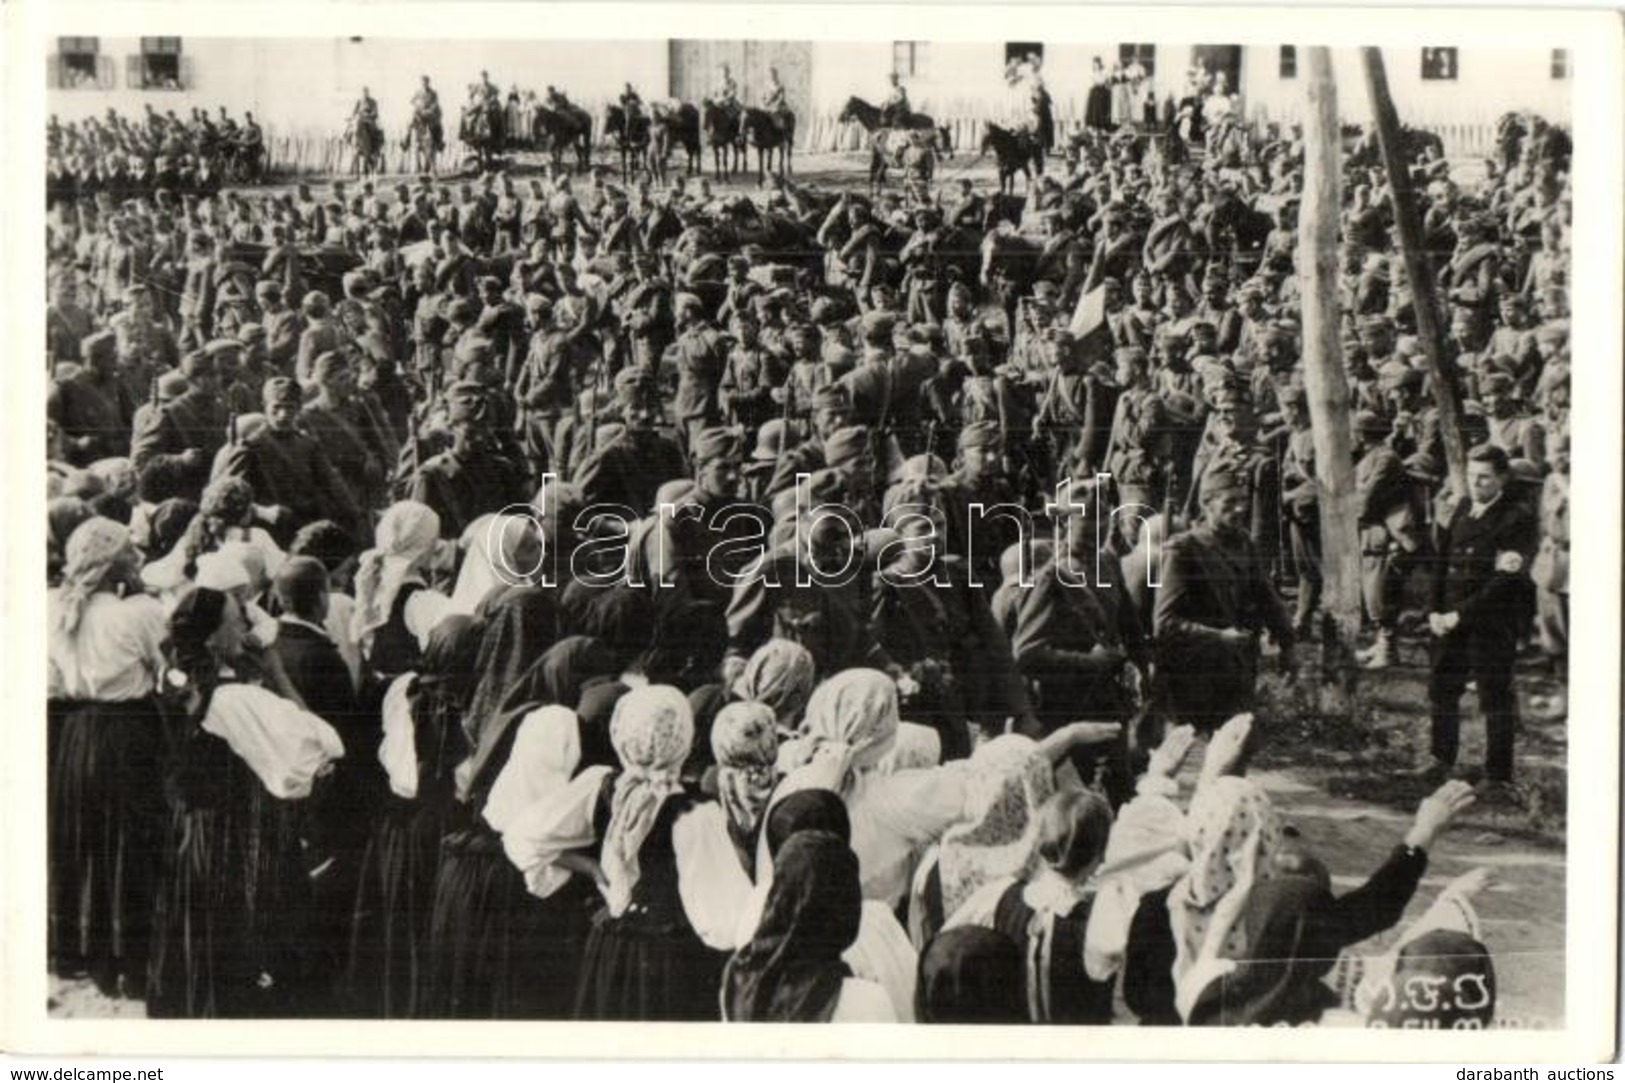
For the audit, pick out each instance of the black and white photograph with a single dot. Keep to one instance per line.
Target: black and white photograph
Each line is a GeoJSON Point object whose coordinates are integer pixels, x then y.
{"type": "Point", "coordinates": [730, 529]}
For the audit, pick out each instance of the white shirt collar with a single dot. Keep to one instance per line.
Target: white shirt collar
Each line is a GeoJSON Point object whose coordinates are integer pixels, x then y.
{"type": "Point", "coordinates": [1479, 509]}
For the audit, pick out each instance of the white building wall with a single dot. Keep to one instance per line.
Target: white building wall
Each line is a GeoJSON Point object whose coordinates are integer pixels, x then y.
{"type": "Point", "coordinates": [307, 86]}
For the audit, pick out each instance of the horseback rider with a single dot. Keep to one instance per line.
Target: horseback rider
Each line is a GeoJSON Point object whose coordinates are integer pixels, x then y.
{"type": "Point", "coordinates": [488, 93]}
{"type": "Point", "coordinates": [556, 100]}
{"type": "Point", "coordinates": [896, 109]}
{"type": "Point", "coordinates": [776, 100]}
{"type": "Point", "coordinates": [426, 110]}
{"type": "Point", "coordinates": [364, 117]}
{"type": "Point", "coordinates": [727, 94]}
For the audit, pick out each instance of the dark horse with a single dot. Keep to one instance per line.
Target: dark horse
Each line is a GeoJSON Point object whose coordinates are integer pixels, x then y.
{"type": "Point", "coordinates": [482, 131]}
{"type": "Point", "coordinates": [674, 127]}
{"type": "Point", "coordinates": [724, 134]}
{"type": "Point", "coordinates": [632, 139]}
{"type": "Point", "coordinates": [367, 142]}
{"type": "Point", "coordinates": [762, 131]}
{"type": "Point", "coordinates": [559, 130]}
{"type": "Point", "coordinates": [870, 117]}
{"type": "Point", "coordinates": [1016, 152]}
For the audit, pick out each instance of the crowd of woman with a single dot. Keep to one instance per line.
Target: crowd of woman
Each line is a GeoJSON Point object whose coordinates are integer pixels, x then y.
{"type": "Point", "coordinates": [296, 774]}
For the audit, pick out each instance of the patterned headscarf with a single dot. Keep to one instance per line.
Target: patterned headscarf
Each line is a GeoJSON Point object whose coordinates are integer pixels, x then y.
{"type": "Point", "coordinates": [1232, 829]}
{"type": "Point", "coordinates": [1009, 782]}
{"type": "Point", "coordinates": [407, 533]}
{"type": "Point", "coordinates": [652, 731]}
{"type": "Point", "coordinates": [851, 720]}
{"type": "Point", "coordinates": [94, 549]}
{"type": "Point", "coordinates": [745, 742]}
{"type": "Point", "coordinates": [780, 675]}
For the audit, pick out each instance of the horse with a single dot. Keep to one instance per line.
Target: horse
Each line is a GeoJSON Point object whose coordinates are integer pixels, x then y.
{"type": "Point", "coordinates": [367, 149]}
{"type": "Point", "coordinates": [871, 118]}
{"type": "Point", "coordinates": [423, 138]}
{"type": "Point", "coordinates": [481, 130]}
{"type": "Point", "coordinates": [724, 135]}
{"type": "Point", "coordinates": [632, 138]}
{"type": "Point", "coordinates": [674, 126]}
{"type": "Point", "coordinates": [1364, 150]}
{"type": "Point", "coordinates": [559, 130]}
{"type": "Point", "coordinates": [1015, 152]}
{"type": "Point", "coordinates": [762, 131]}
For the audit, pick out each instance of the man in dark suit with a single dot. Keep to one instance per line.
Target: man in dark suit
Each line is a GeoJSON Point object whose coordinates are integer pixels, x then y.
{"type": "Point", "coordinates": [1482, 600]}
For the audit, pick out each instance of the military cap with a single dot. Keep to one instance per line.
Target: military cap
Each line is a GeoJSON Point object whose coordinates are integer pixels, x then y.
{"type": "Point", "coordinates": [634, 378]}
{"type": "Point", "coordinates": [268, 287]}
{"type": "Point", "coordinates": [250, 332]}
{"type": "Point", "coordinates": [1371, 423]}
{"type": "Point", "coordinates": [1221, 482]}
{"type": "Point", "coordinates": [832, 397]}
{"type": "Point", "coordinates": [172, 385]}
{"type": "Point", "coordinates": [684, 303]}
{"type": "Point", "coordinates": [769, 441]}
{"type": "Point", "coordinates": [315, 303]}
{"type": "Point", "coordinates": [219, 346]}
{"type": "Point", "coordinates": [281, 391]}
{"type": "Point", "coordinates": [1291, 393]}
{"type": "Point", "coordinates": [1496, 383]}
{"type": "Point", "coordinates": [100, 344]}
{"type": "Point", "coordinates": [466, 391]}
{"type": "Point", "coordinates": [980, 434]}
{"type": "Point", "coordinates": [879, 322]}
{"type": "Point", "coordinates": [718, 443]}
{"type": "Point", "coordinates": [824, 312]}
{"type": "Point", "coordinates": [462, 310]}
{"type": "Point", "coordinates": [846, 445]}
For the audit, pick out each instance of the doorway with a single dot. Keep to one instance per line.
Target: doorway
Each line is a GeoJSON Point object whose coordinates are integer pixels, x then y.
{"type": "Point", "coordinates": [1220, 60]}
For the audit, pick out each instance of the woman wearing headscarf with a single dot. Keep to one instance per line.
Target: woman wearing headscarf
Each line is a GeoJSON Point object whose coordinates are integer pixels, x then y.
{"type": "Point", "coordinates": [1438, 974]}
{"type": "Point", "coordinates": [495, 951]}
{"type": "Point", "coordinates": [577, 672]}
{"type": "Point", "coordinates": [792, 971]}
{"type": "Point", "coordinates": [671, 885]}
{"type": "Point", "coordinates": [105, 744]}
{"type": "Point", "coordinates": [1046, 912]}
{"type": "Point", "coordinates": [849, 731]}
{"type": "Point", "coordinates": [971, 975]}
{"type": "Point", "coordinates": [881, 952]}
{"type": "Point", "coordinates": [62, 517]}
{"type": "Point", "coordinates": [1292, 928]}
{"type": "Point", "coordinates": [745, 747]}
{"type": "Point", "coordinates": [780, 675]}
{"type": "Point", "coordinates": [998, 837]}
{"type": "Point", "coordinates": [422, 745]}
{"type": "Point", "coordinates": [231, 936]}
{"type": "Point", "coordinates": [395, 609]}
{"type": "Point", "coordinates": [499, 552]}
{"type": "Point", "coordinates": [225, 515]}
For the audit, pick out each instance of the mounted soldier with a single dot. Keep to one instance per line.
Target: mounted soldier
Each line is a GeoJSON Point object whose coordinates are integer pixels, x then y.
{"type": "Point", "coordinates": [896, 110]}
{"type": "Point", "coordinates": [776, 101]}
{"type": "Point", "coordinates": [426, 114]}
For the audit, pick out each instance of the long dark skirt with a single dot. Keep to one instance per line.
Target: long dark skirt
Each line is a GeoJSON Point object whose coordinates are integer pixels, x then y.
{"type": "Point", "coordinates": [231, 930]}
{"type": "Point", "coordinates": [394, 901]}
{"type": "Point", "coordinates": [105, 827]}
{"type": "Point", "coordinates": [655, 971]}
{"type": "Point", "coordinates": [495, 950]}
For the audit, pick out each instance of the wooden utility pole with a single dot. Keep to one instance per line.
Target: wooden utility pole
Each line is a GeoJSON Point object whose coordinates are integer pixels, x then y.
{"type": "Point", "coordinates": [1326, 385]}
{"type": "Point", "coordinates": [1418, 268]}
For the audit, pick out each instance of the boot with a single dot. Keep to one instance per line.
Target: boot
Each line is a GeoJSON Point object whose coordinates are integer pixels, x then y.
{"type": "Point", "coordinates": [1381, 655]}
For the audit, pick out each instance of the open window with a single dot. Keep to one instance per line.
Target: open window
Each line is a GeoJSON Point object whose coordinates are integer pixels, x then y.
{"type": "Point", "coordinates": [79, 65]}
{"type": "Point", "coordinates": [159, 66]}
{"type": "Point", "coordinates": [1440, 64]}
{"type": "Point", "coordinates": [1143, 55]}
{"type": "Point", "coordinates": [908, 59]}
{"type": "Point", "coordinates": [1560, 64]}
{"type": "Point", "coordinates": [1289, 61]}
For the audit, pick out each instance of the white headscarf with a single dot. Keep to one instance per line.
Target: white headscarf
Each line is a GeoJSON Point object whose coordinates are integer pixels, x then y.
{"type": "Point", "coordinates": [850, 725]}
{"type": "Point", "coordinates": [546, 752]}
{"type": "Point", "coordinates": [652, 730]}
{"type": "Point", "coordinates": [490, 542]}
{"type": "Point", "coordinates": [286, 746]}
{"type": "Point", "coordinates": [406, 535]}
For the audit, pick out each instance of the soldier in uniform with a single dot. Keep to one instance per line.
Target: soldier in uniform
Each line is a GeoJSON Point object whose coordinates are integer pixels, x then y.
{"type": "Point", "coordinates": [1078, 637]}
{"type": "Point", "coordinates": [895, 111]}
{"type": "Point", "coordinates": [186, 433]}
{"type": "Point", "coordinates": [1140, 444]}
{"type": "Point", "coordinates": [647, 315]}
{"type": "Point", "coordinates": [473, 477]}
{"type": "Point", "coordinates": [701, 360]}
{"type": "Point", "coordinates": [776, 100]}
{"type": "Point", "coordinates": [1300, 502]}
{"type": "Point", "coordinates": [146, 346]}
{"type": "Point", "coordinates": [752, 375]}
{"type": "Point", "coordinates": [629, 467]}
{"type": "Point", "coordinates": [288, 469]}
{"type": "Point", "coordinates": [1480, 605]}
{"type": "Point", "coordinates": [1215, 601]}
{"type": "Point", "coordinates": [426, 108]}
{"type": "Point", "coordinates": [351, 427]}
{"type": "Point", "coordinates": [829, 411]}
{"type": "Point", "coordinates": [978, 536]}
{"type": "Point", "coordinates": [700, 550]}
{"type": "Point", "coordinates": [1390, 531]}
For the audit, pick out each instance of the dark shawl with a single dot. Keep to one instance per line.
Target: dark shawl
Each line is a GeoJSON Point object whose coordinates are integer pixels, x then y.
{"type": "Point", "coordinates": [971, 975]}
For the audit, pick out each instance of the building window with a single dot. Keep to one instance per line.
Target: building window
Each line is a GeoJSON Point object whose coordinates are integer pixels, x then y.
{"type": "Point", "coordinates": [1143, 55]}
{"type": "Point", "coordinates": [1560, 63]}
{"type": "Point", "coordinates": [908, 58]}
{"type": "Point", "coordinates": [1015, 52]}
{"type": "Point", "coordinates": [158, 67]}
{"type": "Point", "coordinates": [1289, 61]}
{"type": "Point", "coordinates": [79, 64]}
{"type": "Point", "coordinates": [1439, 64]}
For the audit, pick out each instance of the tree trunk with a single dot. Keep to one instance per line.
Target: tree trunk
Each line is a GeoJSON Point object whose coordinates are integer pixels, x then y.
{"type": "Point", "coordinates": [1327, 389]}
{"type": "Point", "coordinates": [1418, 268]}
